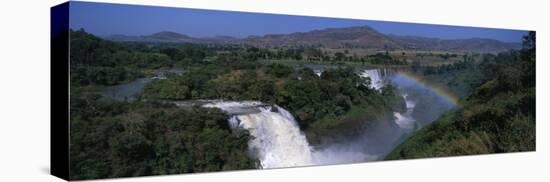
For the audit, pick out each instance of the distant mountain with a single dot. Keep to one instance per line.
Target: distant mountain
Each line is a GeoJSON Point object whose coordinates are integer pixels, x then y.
{"type": "Point", "coordinates": [164, 36]}
{"type": "Point", "coordinates": [172, 37]}
{"type": "Point", "coordinates": [350, 37]}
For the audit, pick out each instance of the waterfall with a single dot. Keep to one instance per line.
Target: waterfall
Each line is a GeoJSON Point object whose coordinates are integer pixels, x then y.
{"type": "Point", "coordinates": [405, 120]}
{"type": "Point", "coordinates": [375, 76]}
{"type": "Point", "coordinates": [278, 141]}
{"type": "Point", "coordinates": [318, 72]}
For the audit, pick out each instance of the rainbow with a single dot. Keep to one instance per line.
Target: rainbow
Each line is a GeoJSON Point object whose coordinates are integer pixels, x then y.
{"type": "Point", "coordinates": [438, 89]}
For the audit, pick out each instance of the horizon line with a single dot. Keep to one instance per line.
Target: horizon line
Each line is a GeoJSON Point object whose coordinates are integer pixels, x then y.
{"type": "Point", "coordinates": [267, 34]}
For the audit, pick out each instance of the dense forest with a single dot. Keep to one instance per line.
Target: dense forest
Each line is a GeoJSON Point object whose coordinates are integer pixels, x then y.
{"type": "Point", "coordinates": [498, 116]}
{"type": "Point", "coordinates": [150, 136]}
{"type": "Point", "coordinates": [308, 96]}
{"type": "Point", "coordinates": [110, 139]}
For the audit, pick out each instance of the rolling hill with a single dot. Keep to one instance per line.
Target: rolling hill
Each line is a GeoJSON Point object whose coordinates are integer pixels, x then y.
{"type": "Point", "coordinates": [361, 37]}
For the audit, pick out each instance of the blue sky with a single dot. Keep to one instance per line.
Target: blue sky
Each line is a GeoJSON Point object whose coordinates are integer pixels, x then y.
{"type": "Point", "coordinates": [107, 19]}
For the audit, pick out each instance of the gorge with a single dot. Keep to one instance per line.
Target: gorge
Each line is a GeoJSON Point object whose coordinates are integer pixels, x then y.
{"type": "Point", "coordinates": [278, 141]}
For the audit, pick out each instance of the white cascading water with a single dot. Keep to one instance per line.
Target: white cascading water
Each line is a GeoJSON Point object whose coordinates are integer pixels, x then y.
{"type": "Point", "coordinates": [278, 141]}
{"type": "Point", "coordinates": [375, 78]}
{"type": "Point", "coordinates": [405, 120]}
{"type": "Point", "coordinates": [318, 72]}
{"type": "Point", "coordinates": [375, 75]}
